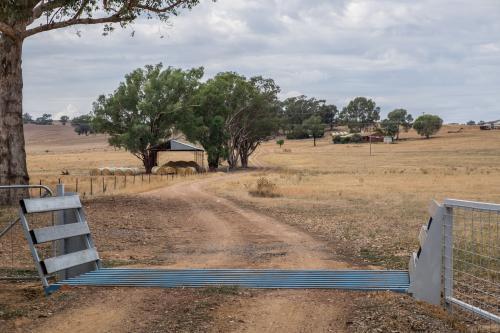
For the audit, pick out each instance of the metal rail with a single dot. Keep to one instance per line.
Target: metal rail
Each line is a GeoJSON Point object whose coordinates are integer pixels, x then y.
{"type": "Point", "coordinates": [472, 259]}
{"type": "Point", "coordinates": [48, 192]}
{"type": "Point", "coordinates": [247, 278]}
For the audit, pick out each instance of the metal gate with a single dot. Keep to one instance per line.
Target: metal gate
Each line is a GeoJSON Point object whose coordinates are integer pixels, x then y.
{"type": "Point", "coordinates": [472, 261]}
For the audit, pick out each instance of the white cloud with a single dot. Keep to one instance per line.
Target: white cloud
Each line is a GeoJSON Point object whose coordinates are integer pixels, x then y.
{"type": "Point", "coordinates": [426, 56]}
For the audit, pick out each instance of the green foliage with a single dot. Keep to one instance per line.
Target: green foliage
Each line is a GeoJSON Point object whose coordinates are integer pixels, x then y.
{"type": "Point", "coordinates": [389, 128]}
{"type": "Point", "coordinates": [146, 108]}
{"type": "Point", "coordinates": [427, 125]}
{"type": "Point", "coordinates": [397, 119]}
{"type": "Point", "coordinates": [45, 119]}
{"type": "Point", "coordinates": [27, 118]}
{"type": "Point", "coordinates": [60, 14]}
{"type": "Point", "coordinates": [64, 119]}
{"type": "Point", "coordinates": [471, 123]}
{"type": "Point", "coordinates": [360, 114]}
{"type": "Point", "coordinates": [297, 109]}
{"type": "Point", "coordinates": [280, 142]}
{"type": "Point", "coordinates": [297, 132]}
{"type": "Point", "coordinates": [314, 127]}
{"type": "Point", "coordinates": [83, 125]}
{"type": "Point", "coordinates": [247, 108]}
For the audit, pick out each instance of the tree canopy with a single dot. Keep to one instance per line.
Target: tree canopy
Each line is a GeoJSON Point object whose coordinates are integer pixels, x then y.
{"type": "Point", "coordinates": [360, 113]}
{"type": "Point", "coordinates": [22, 19]}
{"type": "Point", "coordinates": [146, 109]}
{"type": "Point", "coordinates": [248, 108]}
{"type": "Point", "coordinates": [427, 125]}
{"type": "Point", "coordinates": [314, 127]}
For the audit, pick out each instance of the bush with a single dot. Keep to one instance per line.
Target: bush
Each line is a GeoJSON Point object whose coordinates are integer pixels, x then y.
{"type": "Point", "coordinates": [265, 189]}
{"type": "Point", "coordinates": [428, 125]}
{"type": "Point", "coordinates": [297, 133]}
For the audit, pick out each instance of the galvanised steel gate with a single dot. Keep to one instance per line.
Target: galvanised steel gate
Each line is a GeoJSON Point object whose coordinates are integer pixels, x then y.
{"type": "Point", "coordinates": [472, 261]}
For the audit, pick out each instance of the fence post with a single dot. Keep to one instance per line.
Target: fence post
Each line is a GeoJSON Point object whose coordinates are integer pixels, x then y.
{"type": "Point", "coordinates": [125, 182]}
{"type": "Point", "coordinates": [115, 183]}
{"type": "Point", "coordinates": [76, 187]}
{"type": "Point", "coordinates": [149, 178]}
{"type": "Point", "coordinates": [448, 257]}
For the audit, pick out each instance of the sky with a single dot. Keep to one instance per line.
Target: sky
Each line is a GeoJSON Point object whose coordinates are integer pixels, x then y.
{"type": "Point", "coordinates": [427, 56]}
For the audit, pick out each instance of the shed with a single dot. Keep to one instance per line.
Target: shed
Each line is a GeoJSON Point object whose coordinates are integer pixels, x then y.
{"type": "Point", "coordinates": [176, 145]}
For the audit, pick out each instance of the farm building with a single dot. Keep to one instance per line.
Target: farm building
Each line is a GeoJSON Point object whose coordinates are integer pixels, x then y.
{"type": "Point", "coordinates": [178, 146]}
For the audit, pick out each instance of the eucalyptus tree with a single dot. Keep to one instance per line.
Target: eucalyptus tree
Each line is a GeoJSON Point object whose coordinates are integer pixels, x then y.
{"type": "Point", "coordinates": [360, 113]}
{"type": "Point", "coordinates": [146, 109]}
{"type": "Point", "coordinates": [21, 19]}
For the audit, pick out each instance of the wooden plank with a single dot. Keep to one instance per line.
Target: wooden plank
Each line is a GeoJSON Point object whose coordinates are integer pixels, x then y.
{"type": "Point", "coordinates": [56, 264]}
{"type": "Point", "coordinates": [57, 232]}
{"type": "Point", "coordinates": [50, 204]}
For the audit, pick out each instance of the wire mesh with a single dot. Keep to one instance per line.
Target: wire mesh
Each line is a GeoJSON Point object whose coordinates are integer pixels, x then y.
{"type": "Point", "coordinates": [472, 264]}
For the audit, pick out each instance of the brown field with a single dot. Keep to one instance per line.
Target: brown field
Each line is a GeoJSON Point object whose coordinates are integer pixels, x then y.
{"type": "Point", "coordinates": [333, 206]}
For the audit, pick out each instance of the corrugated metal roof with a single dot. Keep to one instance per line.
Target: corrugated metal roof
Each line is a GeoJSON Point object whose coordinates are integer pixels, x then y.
{"type": "Point", "coordinates": [175, 145]}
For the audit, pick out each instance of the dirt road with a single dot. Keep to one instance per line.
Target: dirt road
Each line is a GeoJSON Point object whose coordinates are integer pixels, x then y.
{"type": "Point", "coordinates": [187, 226]}
{"type": "Point", "coordinates": [206, 231]}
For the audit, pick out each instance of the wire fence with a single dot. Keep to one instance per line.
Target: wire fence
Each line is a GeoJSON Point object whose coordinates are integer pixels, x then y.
{"type": "Point", "coordinates": [472, 263]}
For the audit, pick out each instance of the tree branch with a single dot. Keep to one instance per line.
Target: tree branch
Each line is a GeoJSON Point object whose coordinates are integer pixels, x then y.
{"type": "Point", "coordinates": [160, 10]}
{"type": "Point", "coordinates": [57, 25]}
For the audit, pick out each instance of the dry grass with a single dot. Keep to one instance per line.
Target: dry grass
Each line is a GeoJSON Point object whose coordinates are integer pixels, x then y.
{"type": "Point", "coordinates": [264, 189]}
{"type": "Point", "coordinates": [373, 206]}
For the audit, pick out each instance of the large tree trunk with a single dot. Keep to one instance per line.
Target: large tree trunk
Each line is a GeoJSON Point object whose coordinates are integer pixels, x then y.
{"type": "Point", "coordinates": [244, 159]}
{"type": "Point", "coordinates": [149, 160]}
{"type": "Point", "coordinates": [12, 153]}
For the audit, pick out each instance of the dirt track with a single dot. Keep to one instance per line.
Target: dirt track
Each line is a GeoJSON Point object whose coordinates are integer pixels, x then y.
{"type": "Point", "coordinates": [185, 226]}
{"type": "Point", "coordinates": [209, 231]}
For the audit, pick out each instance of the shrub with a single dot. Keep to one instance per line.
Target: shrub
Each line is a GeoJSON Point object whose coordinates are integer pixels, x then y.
{"type": "Point", "coordinates": [428, 125]}
{"type": "Point", "coordinates": [297, 132]}
{"type": "Point", "coordinates": [265, 189]}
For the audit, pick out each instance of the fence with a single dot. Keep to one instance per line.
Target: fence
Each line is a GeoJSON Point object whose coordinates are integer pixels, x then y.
{"type": "Point", "coordinates": [471, 261]}
{"type": "Point", "coordinates": [90, 186]}
{"type": "Point", "coordinates": [15, 261]}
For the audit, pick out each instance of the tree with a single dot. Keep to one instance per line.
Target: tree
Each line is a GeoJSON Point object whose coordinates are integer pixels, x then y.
{"type": "Point", "coordinates": [27, 118]}
{"type": "Point", "coordinates": [471, 123]}
{"type": "Point", "coordinates": [146, 109]}
{"type": "Point", "coordinates": [22, 19]}
{"type": "Point", "coordinates": [399, 118]}
{"type": "Point", "coordinates": [83, 124]}
{"type": "Point", "coordinates": [329, 115]}
{"type": "Point", "coordinates": [45, 119]}
{"type": "Point", "coordinates": [314, 127]}
{"type": "Point", "coordinates": [249, 108]}
{"type": "Point", "coordinates": [360, 114]}
{"type": "Point", "coordinates": [280, 142]}
{"type": "Point", "coordinates": [260, 119]}
{"type": "Point", "coordinates": [389, 128]}
{"type": "Point", "coordinates": [427, 125]}
{"type": "Point", "coordinates": [64, 119]}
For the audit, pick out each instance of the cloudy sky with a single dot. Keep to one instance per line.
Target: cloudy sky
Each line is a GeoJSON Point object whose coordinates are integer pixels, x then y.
{"type": "Point", "coordinates": [432, 56]}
